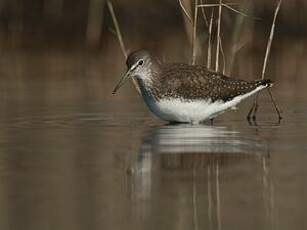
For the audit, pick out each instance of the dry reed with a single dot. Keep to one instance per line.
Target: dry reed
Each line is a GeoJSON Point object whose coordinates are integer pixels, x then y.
{"type": "Point", "coordinates": [268, 49]}
{"type": "Point", "coordinates": [120, 38]}
{"type": "Point", "coordinates": [116, 25]}
{"type": "Point", "coordinates": [219, 47]}
{"type": "Point", "coordinates": [253, 111]}
{"type": "Point", "coordinates": [194, 47]}
{"type": "Point", "coordinates": [185, 11]}
{"type": "Point", "coordinates": [209, 42]}
{"type": "Point", "coordinates": [218, 37]}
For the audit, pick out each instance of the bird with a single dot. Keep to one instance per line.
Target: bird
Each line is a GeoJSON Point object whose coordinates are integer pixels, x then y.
{"type": "Point", "coordinates": [183, 93]}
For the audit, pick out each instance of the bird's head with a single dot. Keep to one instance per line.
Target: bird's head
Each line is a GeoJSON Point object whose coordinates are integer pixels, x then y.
{"type": "Point", "coordinates": [141, 65]}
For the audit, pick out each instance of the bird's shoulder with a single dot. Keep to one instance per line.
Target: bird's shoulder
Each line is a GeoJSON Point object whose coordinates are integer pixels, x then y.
{"type": "Point", "coordinates": [195, 81]}
{"type": "Point", "coordinates": [194, 74]}
{"type": "Point", "coordinates": [179, 70]}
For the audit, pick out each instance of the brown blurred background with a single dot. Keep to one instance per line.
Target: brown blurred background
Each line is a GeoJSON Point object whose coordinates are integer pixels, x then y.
{"type": "Point", "coordinates": [77, 40]}
{"type": "Point", "coordinates": [77, 23]}
{"type": "Point", "coordinates": [72, 156]}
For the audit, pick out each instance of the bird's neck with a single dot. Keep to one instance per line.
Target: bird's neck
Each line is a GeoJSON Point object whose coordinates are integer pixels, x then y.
{"type": "Point", "coordinates": [150, 75]}
{"type": "Point", "coordinates": [149, 85]}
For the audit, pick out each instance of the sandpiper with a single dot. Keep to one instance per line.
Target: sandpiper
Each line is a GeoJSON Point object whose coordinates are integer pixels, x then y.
{"type": "Point", "coordinates": [178, 92]}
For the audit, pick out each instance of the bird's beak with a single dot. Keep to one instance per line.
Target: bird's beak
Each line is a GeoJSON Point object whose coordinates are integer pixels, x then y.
{"type": "Point", "coordinates": [123, 80]}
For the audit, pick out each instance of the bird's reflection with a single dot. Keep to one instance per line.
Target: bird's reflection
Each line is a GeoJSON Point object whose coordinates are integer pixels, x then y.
{"type": "Point", "coordinates": [199, 139]}
{"type": "Point", "coordinates": [188, 147]}
{"type": "Point", "coordinates": [192, 163]}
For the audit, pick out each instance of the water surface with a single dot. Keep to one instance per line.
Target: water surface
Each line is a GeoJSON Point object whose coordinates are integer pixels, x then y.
{"type": "Point", "coordinates": [74, 157]}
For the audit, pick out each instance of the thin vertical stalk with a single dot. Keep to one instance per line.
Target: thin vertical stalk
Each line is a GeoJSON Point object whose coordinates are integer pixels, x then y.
{"type": "Point", "coordinates": [120, 39]}
{"type": "Point", "coordinates": [185, 11]}
{"type": "Point", "coordinates": [269, 44]}
{"type": "Point", "coordinates": [185, 6]}
{"type": "Point", "coordinates": [236, 34]}
{"type": "Point", "coordinates": [218, 198]}
{"type": "Point", "coordinates": [210, 41]}
{"type": "Point", "coordinates": [275, 104]}
{"type": "Point", "coordinates": [209, 196]}
{"type": "Point", "coordinates": [204, 14]}
{"type": "Point", "coordinates": [218, 37]}
{"type": "Point", "coordinates": [195, 213]}
{"type": "Point", "coordinates": [194, 39]}
{"type": "Point", "coordinates": [223, 55]}
{"type": "Point", "coordinates": [118, 33]}
{"type": "Point", "coordinates": [253, 110]}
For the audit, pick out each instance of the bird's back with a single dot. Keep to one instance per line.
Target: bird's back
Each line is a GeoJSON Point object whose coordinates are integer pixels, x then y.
{"type": "Point", "coordinates": [189, 82]}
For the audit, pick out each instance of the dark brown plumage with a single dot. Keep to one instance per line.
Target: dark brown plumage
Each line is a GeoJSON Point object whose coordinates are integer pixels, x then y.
{"type": "Point", "coordinates": [197, 82]}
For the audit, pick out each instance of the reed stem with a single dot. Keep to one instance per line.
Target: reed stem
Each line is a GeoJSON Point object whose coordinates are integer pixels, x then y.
{"type": "Point", "coordinates": [218, 37]}
{"type": "Point", "coordinates": [118, 33]}
{"type": "Point", "coordinates": [269, 44]}
{"type": "Point", "coordinates": [210, 41]}
{"type": "Point", "coordinates": [120, 39]}
{"type": "Point", "coordinates": [253, 111]}
{"type": "Point", "coordinates": [194, 38]}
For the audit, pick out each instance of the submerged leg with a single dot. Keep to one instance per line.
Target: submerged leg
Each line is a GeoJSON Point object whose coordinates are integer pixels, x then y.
{"type": "Point", "coordinates": [211, 121]}
{"type": "Point", "coordinates": [275, 105]}
{"type": "Point", "coordinates": [255, 110]}
{"type": "Point", "coordinates": [252, 112]}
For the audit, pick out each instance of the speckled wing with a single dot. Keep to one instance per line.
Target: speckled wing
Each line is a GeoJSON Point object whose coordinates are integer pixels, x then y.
{"type": "Point", "coordinates": [197, 82]}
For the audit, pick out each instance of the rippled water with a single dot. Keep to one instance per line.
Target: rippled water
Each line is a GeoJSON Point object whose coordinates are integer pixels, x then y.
{"type": "Point", "coordinates": [73, 158]}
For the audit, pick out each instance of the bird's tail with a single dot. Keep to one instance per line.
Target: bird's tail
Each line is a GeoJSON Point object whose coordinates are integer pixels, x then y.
{"type": "Point", "coordinates": [265, 82]}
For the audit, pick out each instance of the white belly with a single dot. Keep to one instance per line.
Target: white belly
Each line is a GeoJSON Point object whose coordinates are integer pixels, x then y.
{"type": "Point", "coordinates": [189, 111]}
{"type": "Point", "coordinates": [195, 111]}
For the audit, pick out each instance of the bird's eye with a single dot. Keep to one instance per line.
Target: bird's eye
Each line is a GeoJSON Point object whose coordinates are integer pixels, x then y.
{"type": "Point", "coordinates": [141, 62]}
